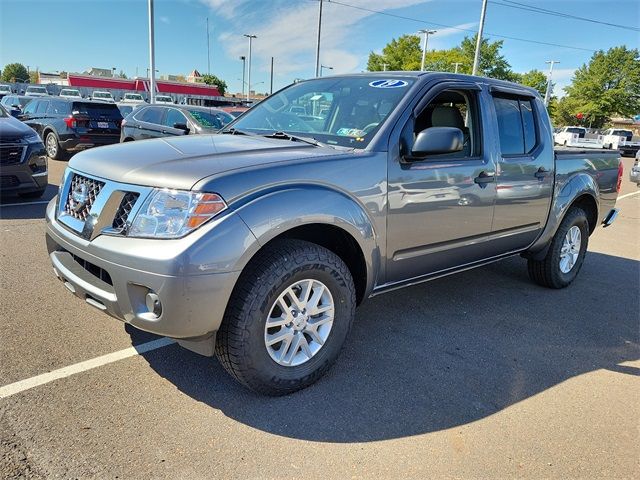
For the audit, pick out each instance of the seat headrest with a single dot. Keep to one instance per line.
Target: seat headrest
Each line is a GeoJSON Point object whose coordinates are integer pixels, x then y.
{"type": "Point", "coordinates": [445, 116]}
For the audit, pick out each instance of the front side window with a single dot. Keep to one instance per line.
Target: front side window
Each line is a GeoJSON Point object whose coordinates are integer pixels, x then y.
{"type": "Point", "coordinates": [31, 106]}
{"type": "Point", "coordinates": [344, 111]}
{"type": "Point", "coordinates": [42, 107]}
{"type": "Point", "coordinates": [516, 125]}
{"type": "Point", "coordinates": [206, 119]}
{"type": "Point", "coordinates": [174, 116]}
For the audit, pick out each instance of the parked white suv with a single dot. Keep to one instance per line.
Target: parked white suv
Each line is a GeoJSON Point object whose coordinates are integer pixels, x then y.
{"type": "Point", "coordinates": [103, 97]}
{"type": "Point", "coordinates": [36, 91]}
{"type": "Point", "coordinates": [133, 98]}
{"type": "Point", "coordinates": [70, 93]}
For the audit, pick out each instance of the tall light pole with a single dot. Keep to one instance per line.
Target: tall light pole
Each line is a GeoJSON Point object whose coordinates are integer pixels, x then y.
{"type": "Point", "coordinates": [208, 54]}
{"type": "Point", "coordinates": [547, 95]}
{"type": "Point", "coordinates": [324, 66]}
{"type": "Point", "coordinates": [271, 82]}
{"type": "Point", "coordinates": [456, 66]}
{"type": "Point", "coordinates": [476, 57]}
{"type": "Point", "coordinates": [384, 67]}
{"type": "Point", "coordinates": [244, 69]}
{"type": "Point", "coordinates": [424, 46]}
{"type": "Point", "coordinates": [250, 37]}
{"type": "Point", "coordinates": [318, 73]}
{"type": "Point", "coordinates": [152, 57]}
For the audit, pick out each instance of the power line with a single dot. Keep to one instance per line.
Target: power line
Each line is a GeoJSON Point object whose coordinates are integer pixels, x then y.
{"type": "Point", "coordinates": [402, 17]}
{"type": "Point", "coordinates": [545, 11]}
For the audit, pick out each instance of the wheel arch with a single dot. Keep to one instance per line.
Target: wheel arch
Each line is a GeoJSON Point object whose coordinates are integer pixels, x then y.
{"type": "Point", "coordinates": [321, 216]}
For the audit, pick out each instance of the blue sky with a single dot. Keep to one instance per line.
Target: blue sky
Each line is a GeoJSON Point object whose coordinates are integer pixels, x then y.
{"type": "Point", "coordinates": [73, 35]}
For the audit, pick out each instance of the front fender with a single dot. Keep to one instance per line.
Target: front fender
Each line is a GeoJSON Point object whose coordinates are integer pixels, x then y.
{"type": "Point", "coordinates": [276, 212]}
{"type": "Point", "coordinates": [566, 192]}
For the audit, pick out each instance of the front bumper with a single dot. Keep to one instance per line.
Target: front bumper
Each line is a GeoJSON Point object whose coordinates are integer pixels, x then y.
{"type": "Point", "coordinates": [29, 175]}
{"type": "Point", "coordinates": [192, 305]}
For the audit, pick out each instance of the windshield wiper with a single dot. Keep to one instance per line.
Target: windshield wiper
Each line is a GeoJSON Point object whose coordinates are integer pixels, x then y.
{"type": "Point", "coordinates": [294, 138]}
{"type": "Point", "coordinates": [235, 131]}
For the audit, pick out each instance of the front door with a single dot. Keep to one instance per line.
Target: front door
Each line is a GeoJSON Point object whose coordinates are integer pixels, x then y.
{"type": "Point", "coordinates": [440, 206]}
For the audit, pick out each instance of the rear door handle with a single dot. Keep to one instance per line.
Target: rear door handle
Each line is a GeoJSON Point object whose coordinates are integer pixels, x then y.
{"type": "Point", "coordinates": [484, 178]}
{"type": "Point", "coordinates": [541, 173]}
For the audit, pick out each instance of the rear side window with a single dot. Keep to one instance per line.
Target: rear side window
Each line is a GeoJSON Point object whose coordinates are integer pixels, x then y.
{"type": "Point", "coordinates": [516, 125]}
{"type": "Point", "coordinates": [97, 110]}
{"type": "Point", "coordinates": [42, 107]}
{"type": "Point", "coordinates": [151, 115]}
{"type": "Point", "coordinates": [58, 107]}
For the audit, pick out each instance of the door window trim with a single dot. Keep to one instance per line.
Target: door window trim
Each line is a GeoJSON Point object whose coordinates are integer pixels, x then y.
{"type": "Point", "coordinates": [501, 92]}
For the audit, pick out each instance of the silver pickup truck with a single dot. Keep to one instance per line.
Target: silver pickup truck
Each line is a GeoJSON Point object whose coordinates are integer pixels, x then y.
{"type": "Point", "coordinates": [256, 244]}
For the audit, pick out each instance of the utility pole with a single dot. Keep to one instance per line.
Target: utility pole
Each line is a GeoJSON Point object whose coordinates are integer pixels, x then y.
{"type": "Point", "coordinates": [456, 66]}
{"type": "Point", "coordinates": [424, 46]}
{"type": "Point", "coordinates": [384, 67]}
{"type": "Point", "coordinates": [244, 69]}
{"type": "Point", "coordinates": [152, 57]}
{"type": "Point", "coordinates": [547, 95]}
{"type": "Point", "coordinates": [271, 86]}
{"type": "Point", "coordinates": [476, 57]}
{"type": "Point", "coordinates": [208, 54]}
{"type": "Point", "coordinates": [318, 73]}
{"type": "Point", "coordinates": [250, 37]}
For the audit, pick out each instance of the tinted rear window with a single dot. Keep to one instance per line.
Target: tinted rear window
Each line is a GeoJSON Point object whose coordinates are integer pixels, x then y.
{"type": "Point", "coordinates": [97, 110]}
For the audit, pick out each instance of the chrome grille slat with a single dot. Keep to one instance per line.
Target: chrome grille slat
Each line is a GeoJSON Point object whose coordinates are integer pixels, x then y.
{"type": "Point", "coordinates": [93, 189]}
{"type": "Point", "coordinates": [128, 201]}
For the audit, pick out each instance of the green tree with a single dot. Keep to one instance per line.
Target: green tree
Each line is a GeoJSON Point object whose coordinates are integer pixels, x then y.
{"type": "Point", "coordinates": [122, 75]}
{"type": "Point", "coordinates": [404, 53]}
{"type": "Point", "coordinates": [445, 61]}
{"type": "Point", "coordinates": [533, 78]}
{"type": "Point", "coordinates": [14, 72]}
{"type": "Point", "coordinates": [34, 76]}
{"type": "Point", "coordinates": [491, 63]}
{"type": "Point", "coordinates": [218, 82]}
{"type": "Point", "coordinates": [608, 86]}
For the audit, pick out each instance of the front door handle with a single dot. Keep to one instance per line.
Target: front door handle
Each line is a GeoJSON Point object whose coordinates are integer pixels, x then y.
{"type": "Point", "coordinates": [541, 173]}
{"type": "Point", "coordinates": [484, 178]}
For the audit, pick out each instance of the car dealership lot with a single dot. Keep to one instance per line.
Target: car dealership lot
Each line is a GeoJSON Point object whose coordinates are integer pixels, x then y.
{"type": "Point", "coordinates": [502, 379]}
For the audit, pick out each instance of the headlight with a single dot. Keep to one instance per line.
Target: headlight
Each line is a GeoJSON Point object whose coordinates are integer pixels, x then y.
{"type": "Point", "coordinates": [33, 138]}
{"type": "Point", "coordinates": [174, 213]}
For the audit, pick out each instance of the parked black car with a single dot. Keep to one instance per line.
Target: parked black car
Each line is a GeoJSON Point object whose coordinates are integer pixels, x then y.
{"type": "Point", "coordinates": [23, 161]}
{"type": "Point", "coordinates": [152, 121]}
{"type": "Point", "coordinates": [68, 125]}
{"type": "Point", "coordinates": [14, 104]}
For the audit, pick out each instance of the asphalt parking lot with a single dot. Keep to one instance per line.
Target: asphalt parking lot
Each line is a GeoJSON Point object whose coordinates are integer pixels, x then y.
{"type": "Point", "coordinates": [478, 375]}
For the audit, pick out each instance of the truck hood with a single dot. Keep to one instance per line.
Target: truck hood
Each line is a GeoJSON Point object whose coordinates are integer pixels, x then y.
{"type": "Point", "coordinates": [180, 162]}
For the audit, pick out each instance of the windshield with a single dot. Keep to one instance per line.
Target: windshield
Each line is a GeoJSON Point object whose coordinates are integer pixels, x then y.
{"type": "Point", "coordinates": [576, 130]}
{"type": "Point", "coordinates": [101, 95]}
{"type": "Point", "coordinates": [37, 89]}
{"type": "Point", "coordinates": [133, 96]}
{"type": "Point", "coordinates": [343, 111]}
{"type": "Point", "coordinates": [74, 93]}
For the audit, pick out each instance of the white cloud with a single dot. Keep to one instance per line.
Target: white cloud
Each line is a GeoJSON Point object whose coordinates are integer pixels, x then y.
{"type": "Point", "coordinates": [225, 8]}
{"type": "Point", "coordinates": [561, 78]}
{"type": "Point", "coordinates": [164, 19]}
{"type": "Point", "coordinates": [289, 33]}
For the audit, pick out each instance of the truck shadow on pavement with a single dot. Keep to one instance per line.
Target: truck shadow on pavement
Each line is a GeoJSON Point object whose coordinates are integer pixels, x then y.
{"type": "Point", "coordinates": [441, 354]}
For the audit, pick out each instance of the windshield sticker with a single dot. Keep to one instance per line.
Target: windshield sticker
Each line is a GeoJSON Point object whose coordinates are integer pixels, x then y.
{"type": "Point", "coordinates": [388, 84]}
{"type": "Point", "coordinates": [350, 132]}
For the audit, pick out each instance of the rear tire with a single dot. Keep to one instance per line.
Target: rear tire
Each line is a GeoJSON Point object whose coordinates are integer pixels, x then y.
{"type": "Point", "coordinates": [247, 347]}
{"type": "Point", "coordinates": [53, 146]}
{"type": "Point", "coordinates": [566, 253]}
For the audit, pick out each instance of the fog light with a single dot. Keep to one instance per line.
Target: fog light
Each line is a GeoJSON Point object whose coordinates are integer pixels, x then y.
{"type": "Point", "coordinates": [153, 303]}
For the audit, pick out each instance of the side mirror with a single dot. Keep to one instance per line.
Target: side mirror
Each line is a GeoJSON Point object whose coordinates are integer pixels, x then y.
{"type": "Point", "coordinates": [182, 126]}
{"type": "Point", "coordinates": [438, 140]}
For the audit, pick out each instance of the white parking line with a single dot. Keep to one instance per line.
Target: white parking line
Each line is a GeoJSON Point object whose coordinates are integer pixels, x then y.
{"type": "Point", "coordinates": [64, 372]}
{"type": "Point", "coordinates": [628, 195]}
{"type": "Point", "coordinates": [23, 204]}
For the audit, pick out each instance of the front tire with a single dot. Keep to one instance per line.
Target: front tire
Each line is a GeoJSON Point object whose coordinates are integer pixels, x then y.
{"type": "Point", "coordinates": [287, 319]}
{"type": "Point", "coordinates": [566, 253]}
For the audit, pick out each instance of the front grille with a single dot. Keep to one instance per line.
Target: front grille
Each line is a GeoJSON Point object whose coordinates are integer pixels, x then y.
{"type": "Point", "coordinates": [89, 188]}
{"type": "Point", "coordinates": [126, 205]}
{"type": "Point", "coordinates": [11, 154]}
{"type": "Point", "coordinates": [9, 181]}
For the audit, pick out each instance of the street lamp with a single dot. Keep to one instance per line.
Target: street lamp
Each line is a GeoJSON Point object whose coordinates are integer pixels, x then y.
{"type": "Point", "coordinates": [547, 95]}
{"type": "Point", "coordinates": [324, 66]}
{"type": "Point", "coordinates": [250, 37]}
{"type": "Point", "coordinates": [244, 61]}
{"type": "Point", "coordinates": [424, 45]}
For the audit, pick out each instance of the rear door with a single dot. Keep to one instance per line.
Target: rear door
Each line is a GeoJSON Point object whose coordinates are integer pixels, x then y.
{"type": "Point", "coordinates": [149, 121]}
{"type": "Point", "coordinates": [526, 167]}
